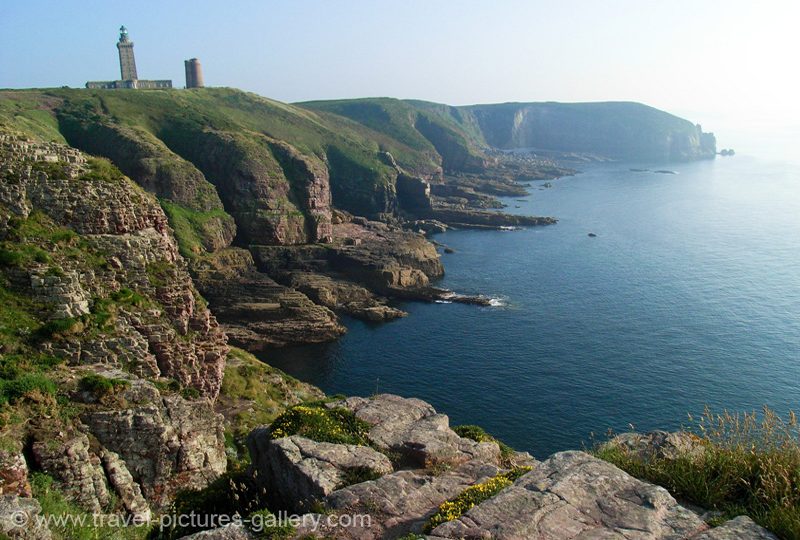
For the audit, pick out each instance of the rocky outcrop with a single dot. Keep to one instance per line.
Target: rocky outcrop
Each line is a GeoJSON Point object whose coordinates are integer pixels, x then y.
{"type": "Point", "coordinates": [128, 229]}
{"type": "Point", "coordinates": [401, 502]}
{"type": "Point", "coordinates": [14, 472]}
{"type": "Point", "coordinates": [413, 429]}
{"type": "Point", "coordinates": [301, 471]}
{"type": "Point", "coordinates": [249, 180]}
{"type": "Point", "coordinates": [167, 443]}
{"type": "Point", "coordinates": [658, 444]}
{"type": "Point", "coordinates": [255, 311]}
{"type": "Point", "coordinates": [77, 470]}
{"type": "Point", "coordinates": [311, 185]}
{"type": "Point", "coordinates": [343, 296]}
{"type": "Point", "coordinates": [740, 528]}
{"type": "Point", "coordinates": [125, 313]}
{"type": "Point", "coordinates": [20, 519]}
{"type": "Point", "coordinates": [128, 491]}
{"type": "Point", "coordinates": [569, 495]}
{"type": "Point", "coordinates": [573, 494]}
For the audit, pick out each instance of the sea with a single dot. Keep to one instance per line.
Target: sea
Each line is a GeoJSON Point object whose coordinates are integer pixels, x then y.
{"type": "Point", "coordinates": [688, 297]}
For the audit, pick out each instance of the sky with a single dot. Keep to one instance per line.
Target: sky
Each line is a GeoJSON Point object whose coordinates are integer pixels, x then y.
{"type": "Point", "coordinates": [721, 63]}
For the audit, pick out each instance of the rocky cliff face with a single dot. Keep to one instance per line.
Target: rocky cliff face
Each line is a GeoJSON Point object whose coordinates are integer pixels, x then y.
{"type": "Point", "coordinates": [100, 295]}
{"type": "Point", "coordinates": [617, 130]}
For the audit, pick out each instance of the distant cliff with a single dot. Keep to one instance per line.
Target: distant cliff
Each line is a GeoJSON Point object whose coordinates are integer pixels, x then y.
{"type": "Point", "coordinates": [615, 129]}
{"type": "Point", "coordinates": [618, 130]}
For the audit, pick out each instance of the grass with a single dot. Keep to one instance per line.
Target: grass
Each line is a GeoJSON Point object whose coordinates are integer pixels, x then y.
{"type": "Point", "coordinates": [473, 496]}
{"type": "Point", "coordinates": [230, 494]}
{"type": "Point", "coordinates": [101, 170]}
{"type": "Point", "coordinates": [28, 385]}
{"type": "Point", "coordinates": [264, 524]}
{"type": "Point", "coordinates": [317, 422]}
{"type": "Point", "coordinates": [76, 524]}
{"type": "Point", "coordinates": [193, 229]}
{"type": "Point", "coordinates": [747, 464]}
{"type": "Point", "coordinates": [254, 393]}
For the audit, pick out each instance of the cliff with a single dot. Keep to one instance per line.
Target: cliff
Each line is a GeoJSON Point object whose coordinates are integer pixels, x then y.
{"type": "Point", "coordinates": [283, 211]}
{"type": "Point", "coordinates": [218, 218]}
{"type": "Point", "coordinates": [618, 130]}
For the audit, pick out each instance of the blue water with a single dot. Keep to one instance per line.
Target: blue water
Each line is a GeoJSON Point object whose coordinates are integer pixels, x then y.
{"type": "Point", "coordinates": [689, 296]}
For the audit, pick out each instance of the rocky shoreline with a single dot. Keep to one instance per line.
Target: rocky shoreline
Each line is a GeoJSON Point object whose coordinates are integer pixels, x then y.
{"type": "Point", "coordinates": [128, 281]}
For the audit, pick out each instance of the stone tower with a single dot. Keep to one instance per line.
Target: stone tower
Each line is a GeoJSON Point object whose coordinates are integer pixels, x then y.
{"type": "Point", "coordinates": [194, 73]}
{"type": "Point", "coordinates": [127, 63]}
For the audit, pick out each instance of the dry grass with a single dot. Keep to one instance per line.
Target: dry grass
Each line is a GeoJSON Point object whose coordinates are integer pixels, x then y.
{"type": "Point", "coordinates": [748, 463]}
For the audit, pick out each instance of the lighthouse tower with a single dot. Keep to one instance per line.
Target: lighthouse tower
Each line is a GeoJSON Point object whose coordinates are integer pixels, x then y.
{"type": "Point", "coordinates": [127, 63]}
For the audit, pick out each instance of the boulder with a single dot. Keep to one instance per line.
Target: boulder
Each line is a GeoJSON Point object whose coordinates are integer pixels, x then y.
{"type": "Point", "coordinates": [400, 502]}
{"type": "Point", "coordinates": [571, 495]}
{"type": "Point", "coordinates": [658, 444]}
{"type": "Point", "coordinates": [740, 528]}
{"type": "Point", "coordinates": [415, 430]}
{"type": "Point", "coordinates": [299, 471]}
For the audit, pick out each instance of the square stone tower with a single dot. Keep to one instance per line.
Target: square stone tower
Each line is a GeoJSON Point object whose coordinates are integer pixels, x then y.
{"type": "Point", "coordinates": [127, 63]}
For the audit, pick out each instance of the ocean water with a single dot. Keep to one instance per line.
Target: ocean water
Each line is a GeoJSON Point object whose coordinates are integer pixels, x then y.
{"type": "Point", "coordinates": [688, 296]}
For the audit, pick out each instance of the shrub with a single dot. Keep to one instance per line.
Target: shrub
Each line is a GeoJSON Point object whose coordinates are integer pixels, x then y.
{"type": "Point", "coordinates": [357, 475]}
{"type": "Point", "coordinates": [473, 496]}
{"type": "Point", "coordinates": [100, 386]}
{"type": "Point", "coordinates": [57, 327]}
{"type": "Point", "coordinates": [127, 296]}
{"type": "Point", "coordinates": [12, 391]}
{"type": "Point", "coordinates": [747, 464]}
{"type": "Point", "coordinates": [230, 494]}
{"type": "Point", "coordinates": [319, 423]}
{"type": "Point", "coordinates": [188, 392]}
{"type": "Point", "coordinates": [10, 257]}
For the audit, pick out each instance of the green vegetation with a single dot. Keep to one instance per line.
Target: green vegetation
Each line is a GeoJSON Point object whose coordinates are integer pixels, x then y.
{"type": "Point", "coordinates": [160, 273]}
{"type": "Point", "coordinates": [473, 496]}
{"type": "Point", "coordinates": [31, 113]}
{"type": "Point", "coordinates": [320, 423]}
{"type": "Point", "coordinates": [28, 385]}
{"type": "Point", "coordinates": [230, 494]}
{"type": "Point", "coordinates": [74, 523]}
{"type": "Point", "coordinates": [102, 170]}
{"type": "Point", "coordinates": [357, 475]}
{"type": "Point", "coordinates": [193, 228]}
{"type": "Point", "coordinates": [254, 393]}
{"type": "Point", "coordinates": [744, 464]}
{"type": "Point", "coordinates": [264, 524]}
{"type": "Point", "coordinates": [101, 387]}
{"type": "Point", "coordinates": [478, 434]}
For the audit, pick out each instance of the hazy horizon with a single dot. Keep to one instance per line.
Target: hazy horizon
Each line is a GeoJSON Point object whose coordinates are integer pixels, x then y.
{"type": "Point", "coordinates": [724, 65]}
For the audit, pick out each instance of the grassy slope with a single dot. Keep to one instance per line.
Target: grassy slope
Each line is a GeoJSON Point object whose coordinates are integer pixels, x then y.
{"type": "Point", "coordinates": [615, 128]}
{"type": "Point", "coordinates": [447, 141]}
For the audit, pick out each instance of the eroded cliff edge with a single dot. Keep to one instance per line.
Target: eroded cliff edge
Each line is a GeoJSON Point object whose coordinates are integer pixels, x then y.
{"type": "Point", "coordinates": [287, 217]}
{"type": "Point", "coordinates": [120, 391]}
